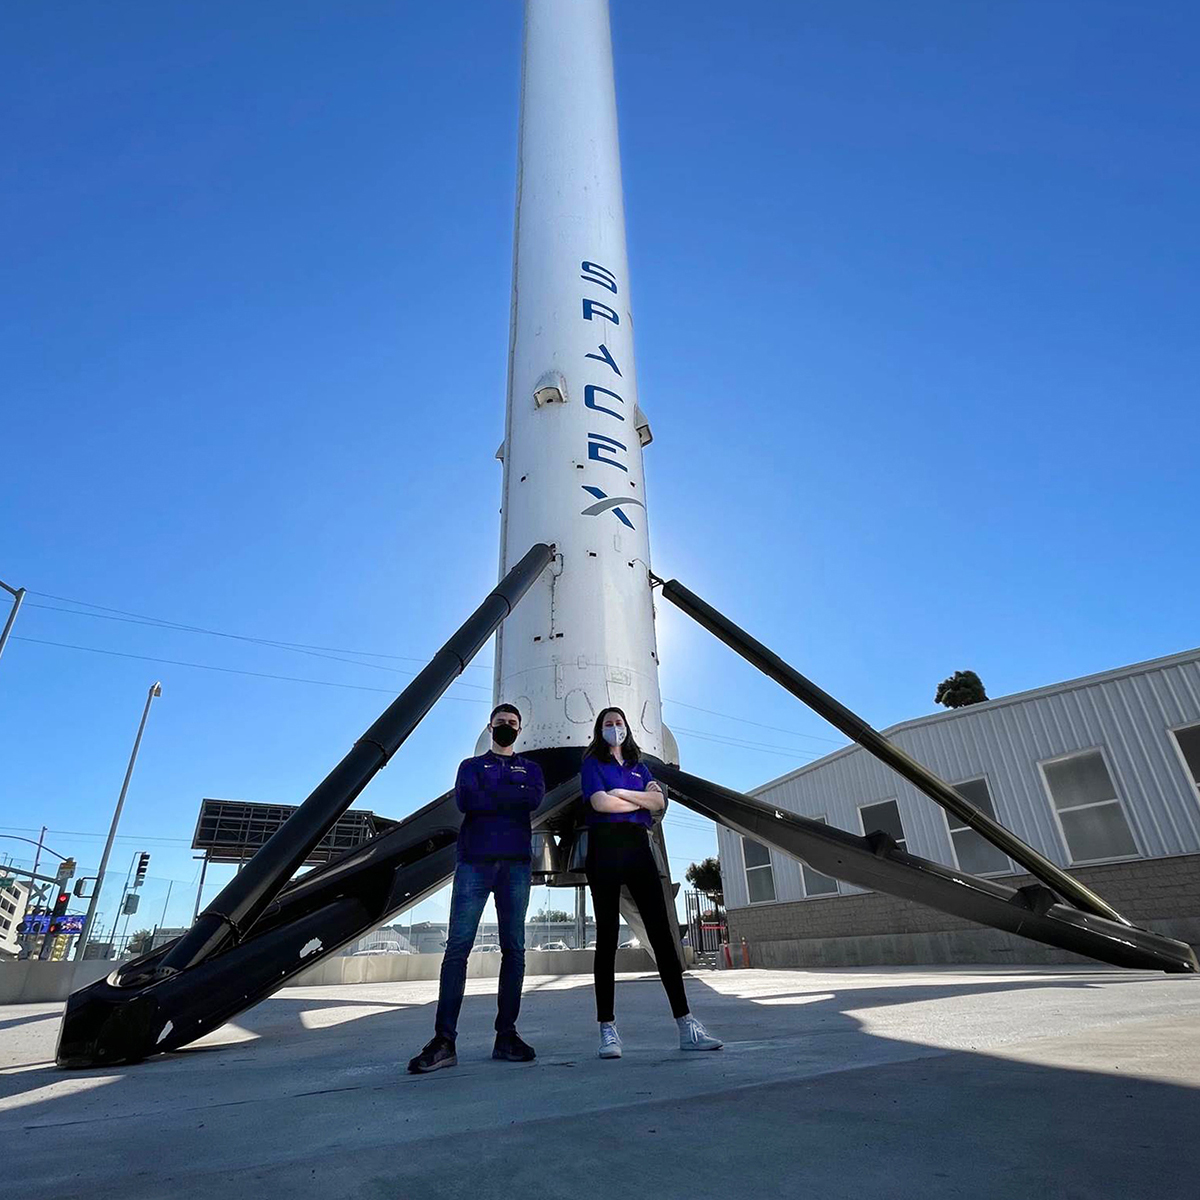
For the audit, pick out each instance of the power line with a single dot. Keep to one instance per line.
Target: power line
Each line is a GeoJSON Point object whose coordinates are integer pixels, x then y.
{"type": "Point", "coordinates": [733, 743]}
{"type": "Point", "coordinates": [774, 728]}
{"type": "Point", "coordinates": [312, 652]}
{"type": "Point", "coordinates": [172, 662]}
{"type": "Point", "coordinates": [691, 826]}
{"type": "Point", "coordinates": [121, 837]}
{"type": "Point", "coordinates": [161, 622]}
{"type": "Point", "coordinates": [715, 739]}
{"type": "Point", "coordinates": [327, 651]}
{"type": "Point", "coordinates": [686, 816]}
{"type": "Point", "coordinates": [741, 744]}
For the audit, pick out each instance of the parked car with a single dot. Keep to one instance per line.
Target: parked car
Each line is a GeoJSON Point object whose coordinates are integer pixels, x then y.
{"type": "Point", "coordinates": [375, 951]}
{"type": "Point", "coordinates": [485, 949]}
{"type": "Point", "coordinates": [590, 946]}
{"type": "Point", "coordinates": [390, 947]}
{"type": "Point", "coordinates": [556, 946]}
{"type": "Point", "coordinates": [632, 944]}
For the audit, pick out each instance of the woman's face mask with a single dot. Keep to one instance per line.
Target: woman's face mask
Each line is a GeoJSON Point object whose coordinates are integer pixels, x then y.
{"type": "Point", "coordinates": [614, 735]}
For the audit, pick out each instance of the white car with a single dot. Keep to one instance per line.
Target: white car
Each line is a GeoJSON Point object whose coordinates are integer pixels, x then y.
{"type": "Point", "coordinates": [485, 949]}
{"type": "Point", "coordinates": [632, 944]}
{"type": "Point", "coordinates": [556, 946]}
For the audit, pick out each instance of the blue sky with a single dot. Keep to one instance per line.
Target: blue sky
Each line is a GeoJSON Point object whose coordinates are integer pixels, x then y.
{"type": "Point", "coordinates": [916, 303]}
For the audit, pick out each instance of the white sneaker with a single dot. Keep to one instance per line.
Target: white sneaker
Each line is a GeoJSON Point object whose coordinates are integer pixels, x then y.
{"type": "Point", "coordinates": [610, 1041]}
{"type": "Point", "coordinates": [693, 1036]}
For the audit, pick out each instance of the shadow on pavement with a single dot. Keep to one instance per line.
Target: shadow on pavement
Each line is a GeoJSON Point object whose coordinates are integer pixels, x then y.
{"type": "Point", "coordinates": [805, 1099]}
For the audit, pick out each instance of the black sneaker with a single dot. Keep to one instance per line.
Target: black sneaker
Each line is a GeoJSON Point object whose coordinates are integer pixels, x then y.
{"type": "Point", "coordinates": [438, 1053]}
{"type": "Point", "coordinates": [510, 1048]}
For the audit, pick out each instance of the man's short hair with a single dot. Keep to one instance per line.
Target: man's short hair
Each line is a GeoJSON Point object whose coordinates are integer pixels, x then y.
{"type": "Point", "coordinates": [509, 708]}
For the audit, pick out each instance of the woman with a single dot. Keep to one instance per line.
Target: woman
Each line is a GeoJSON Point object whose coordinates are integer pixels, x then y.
{"type": "Point", "coordinates": [621, 798]}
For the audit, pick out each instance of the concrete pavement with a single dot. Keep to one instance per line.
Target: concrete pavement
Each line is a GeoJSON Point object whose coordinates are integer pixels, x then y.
{"type": "Point", "coordinates": [1077, 1083]}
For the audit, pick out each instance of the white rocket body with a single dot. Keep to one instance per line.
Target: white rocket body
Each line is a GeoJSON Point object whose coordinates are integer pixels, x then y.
{"type": "Point", "coordinates": [583, 637]}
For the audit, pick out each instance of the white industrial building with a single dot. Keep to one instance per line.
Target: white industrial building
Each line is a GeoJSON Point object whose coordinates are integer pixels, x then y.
{"type": "Point", "coordinates": [1101, 774]}
{"type": "Point", "coordinates": [14, 899]}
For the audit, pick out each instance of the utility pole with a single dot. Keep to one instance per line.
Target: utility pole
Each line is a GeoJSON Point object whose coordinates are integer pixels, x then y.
{"type": "Point", "coordinates": [200, 887]}
{"type": "Point", "coordinates": [37, 858]}
{"type": "Point", "coordinates": [121, 902]}
{"type": "Point", "coordinates": [59, 908]}
{"type": "Point", "coordinates": [155, 690]}
{"type": "Point", "coordinates": [18, 595]}
{"type": "Point", "coordinates": [163, 919]}
{"type": "Point", "coordinates": [580, 919]}
{"type": "Point", "coordinates": [125, 930]}
{"type": "Point", "coordinates": [35, 897]}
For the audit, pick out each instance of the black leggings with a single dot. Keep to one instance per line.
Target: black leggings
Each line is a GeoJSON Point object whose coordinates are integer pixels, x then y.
{"type": "Point", "coordinates": [619, 853]}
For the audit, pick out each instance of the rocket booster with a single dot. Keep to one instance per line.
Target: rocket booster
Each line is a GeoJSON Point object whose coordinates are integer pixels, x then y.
{"type": "Point", "coordinates": [584, 636]}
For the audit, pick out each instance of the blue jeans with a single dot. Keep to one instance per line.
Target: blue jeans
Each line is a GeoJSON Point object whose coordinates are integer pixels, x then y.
{"type": "Point", "coordinates": [473, 883]}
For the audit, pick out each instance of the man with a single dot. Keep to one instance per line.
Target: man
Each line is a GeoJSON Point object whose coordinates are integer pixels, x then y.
{"type": "Point", "coordinates": [496, 793]}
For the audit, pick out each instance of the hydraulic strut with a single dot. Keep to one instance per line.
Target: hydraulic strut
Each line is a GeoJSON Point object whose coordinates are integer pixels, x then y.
{"type": "Point", "coordinates": [871, 740]}
{"type": "Point", "coordinates": [876, 862]}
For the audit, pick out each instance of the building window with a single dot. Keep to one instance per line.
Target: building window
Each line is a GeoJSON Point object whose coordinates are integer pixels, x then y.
{"type": "Point", "coordinates": [884, 817]}
{"type": "Point", "coordinates": [816, 884]}
{"type": "Point", "coordinates": [972, 851]}
{"type": "Point", "coordinates": [1088, 809]}
{"type": "Point", "coordinates": [1188, 743]}
{"type": "Point", "coordinates": [760, 879]}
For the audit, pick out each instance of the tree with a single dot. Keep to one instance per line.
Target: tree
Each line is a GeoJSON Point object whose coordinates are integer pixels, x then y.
{"type": "Point", "coordinates": [706, 877]}
{"type": "Point", "coordinates": [139, 942]}
{"type": "Point", "coordinates": [552, 915]}
{"type": "Point", "coordinates": [961, 689]}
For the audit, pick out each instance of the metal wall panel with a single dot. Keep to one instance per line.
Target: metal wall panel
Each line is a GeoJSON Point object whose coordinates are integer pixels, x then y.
{"type": "Point", "coordinates": [1128, 713]}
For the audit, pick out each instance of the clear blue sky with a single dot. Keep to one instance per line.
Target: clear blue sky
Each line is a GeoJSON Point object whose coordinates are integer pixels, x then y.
{"type": "Point", "coordinates": [916, 293]}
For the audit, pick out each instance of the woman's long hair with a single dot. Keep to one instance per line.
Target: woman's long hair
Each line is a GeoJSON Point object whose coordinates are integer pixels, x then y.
{"type": "Point", "coordinates": [600, 749]}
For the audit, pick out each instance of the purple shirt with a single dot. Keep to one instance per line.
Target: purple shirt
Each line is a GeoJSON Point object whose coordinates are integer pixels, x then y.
{"type": "Point", "coordinates": [496, 793]}
{"type": "Point", "coordinates": [596, 776]}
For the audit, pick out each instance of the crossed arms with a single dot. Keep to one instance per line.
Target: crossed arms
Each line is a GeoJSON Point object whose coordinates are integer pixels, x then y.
{"type": "Point", "coordinates": [475, 795]}
{"type": "Point", "coordinates": [625, 800]}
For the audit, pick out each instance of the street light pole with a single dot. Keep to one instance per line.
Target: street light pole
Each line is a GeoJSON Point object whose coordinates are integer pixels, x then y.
{"type": "Point", "coordinates": [18, 595]}
{"type": "Point", "coordinates": [155, 690]}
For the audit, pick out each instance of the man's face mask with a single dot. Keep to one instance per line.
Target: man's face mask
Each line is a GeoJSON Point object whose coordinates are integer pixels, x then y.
{"type": "Point", "coordinates": [503, 735]}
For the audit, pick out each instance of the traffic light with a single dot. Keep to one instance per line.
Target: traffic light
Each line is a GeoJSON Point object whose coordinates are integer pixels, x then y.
{"type": "Point", "coordinates": [143, 863]}
{"type": "Point", "coordinates": [60, 907]}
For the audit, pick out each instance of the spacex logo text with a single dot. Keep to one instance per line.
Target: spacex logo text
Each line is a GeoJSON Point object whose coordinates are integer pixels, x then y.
{"type": "Point", "coordinates": [605, 402]}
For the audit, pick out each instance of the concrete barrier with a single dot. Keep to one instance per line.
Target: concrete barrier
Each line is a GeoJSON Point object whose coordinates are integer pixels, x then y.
{"type": "Point", "coordinates": [33, 982]}
{"type": "Point", "coordinates": [401, 968]}
{"type": "Point", "coordinates": [952, 947]}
